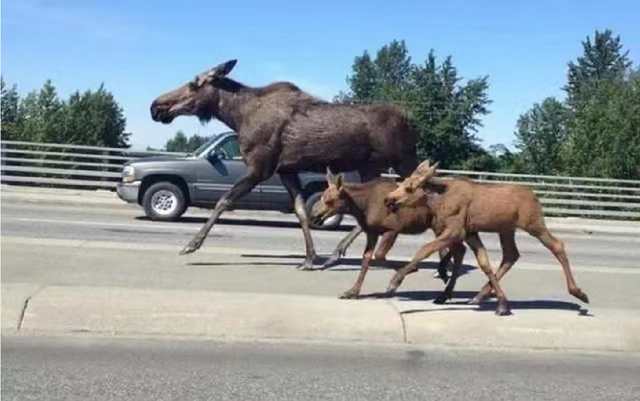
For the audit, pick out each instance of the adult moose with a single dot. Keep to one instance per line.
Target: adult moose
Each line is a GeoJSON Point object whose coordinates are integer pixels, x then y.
{"type": "Point", "coordinates": [464, 208]}
{"type": "Point", "coordinates": [283, 130]}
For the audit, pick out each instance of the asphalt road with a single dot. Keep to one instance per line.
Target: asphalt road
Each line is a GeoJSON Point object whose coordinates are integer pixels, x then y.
{"type": "Point", "coordinates": [117, 246]}
{"type": "Point", "coordinates": [107, 369]}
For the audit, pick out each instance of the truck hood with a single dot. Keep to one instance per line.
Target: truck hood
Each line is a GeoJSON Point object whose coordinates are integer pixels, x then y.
{"type": "Point", "coordinates": [153, 159]}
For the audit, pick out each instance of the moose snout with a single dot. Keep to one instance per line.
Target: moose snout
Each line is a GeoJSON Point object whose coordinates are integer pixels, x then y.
{"type": "Point", "coordinates": [155, 110]}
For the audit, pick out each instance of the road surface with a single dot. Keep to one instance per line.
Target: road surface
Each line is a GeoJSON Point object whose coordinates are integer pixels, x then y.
{"type": "Point", "coordinates": [117, 246]}
{"type": "Point", "coordinates": [105, 369]}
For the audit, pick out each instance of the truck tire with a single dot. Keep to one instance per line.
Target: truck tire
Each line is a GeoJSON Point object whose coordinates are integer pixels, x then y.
{"type": "Point", "coordinates": [331, 223]}
{"type": "Point", "coordinates": [164, 201]}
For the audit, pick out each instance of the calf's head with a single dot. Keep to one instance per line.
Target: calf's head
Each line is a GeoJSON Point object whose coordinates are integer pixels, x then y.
{"type": "Point", "coordinates": [410, 191]}
{"type": "Point", "coordinates": [199, 97]}
{"type": "Point", "coordinates": [333, 200]}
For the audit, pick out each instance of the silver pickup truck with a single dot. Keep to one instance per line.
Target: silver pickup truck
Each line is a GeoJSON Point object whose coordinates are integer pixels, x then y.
{"type": "Point", "coordinates": [166, 186]}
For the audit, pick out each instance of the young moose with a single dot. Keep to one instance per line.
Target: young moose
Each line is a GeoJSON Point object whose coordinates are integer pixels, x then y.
{"type": "Point", "coordinates": [365, 202]}
{"type": "Point", "coordinates": [464, 207]}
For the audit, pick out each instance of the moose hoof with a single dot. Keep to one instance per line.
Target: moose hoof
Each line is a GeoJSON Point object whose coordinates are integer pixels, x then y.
{"type": "Point", "coordinates": [307, 265]}
{"type": "Point", "coordinates": [190, 248]}
{"type": "Point", "coordinates": [503, 310]}
{"type": "Point", "coordinates": [349, 295]}
{"type": "Point", "coordinates": [332, 261]}
{"type": "Point", "coordinates": [442, 299]}
{"type": "Point", "coordinates": [580, 295]}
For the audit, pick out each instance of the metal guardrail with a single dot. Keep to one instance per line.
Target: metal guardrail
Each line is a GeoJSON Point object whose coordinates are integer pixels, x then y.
{"type": "Point", "coordinates": [91, 167]}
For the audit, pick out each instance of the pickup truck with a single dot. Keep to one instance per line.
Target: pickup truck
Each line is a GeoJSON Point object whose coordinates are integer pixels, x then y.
{"type": "Point", "coordinates": [166, 186]}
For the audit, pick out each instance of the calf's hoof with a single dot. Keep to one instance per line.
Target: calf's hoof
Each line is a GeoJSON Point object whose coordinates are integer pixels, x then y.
{"type": "Point", "coordinates": [580, 295]}
{"type": "Point", "coordinates": [351, 294]}
{"type": "Point", "coordinates": [442, 299]}
{"type": "Point", "coordinates": [503, 310]}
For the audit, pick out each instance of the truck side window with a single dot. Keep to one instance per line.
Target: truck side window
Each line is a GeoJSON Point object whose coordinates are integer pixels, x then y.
{"type": "Point", "coordinates": [229, 149]}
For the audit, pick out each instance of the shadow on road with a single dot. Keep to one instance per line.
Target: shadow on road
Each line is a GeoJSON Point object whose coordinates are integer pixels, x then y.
{"type": "Point", "coordinates": [460, 298]}
{"type": "Point", "coordinates": [248, 222]}
{"type": "Point", "coordinates": [354, 263]}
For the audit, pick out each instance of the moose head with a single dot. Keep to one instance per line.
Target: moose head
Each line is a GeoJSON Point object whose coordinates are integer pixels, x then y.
{"type": "Point", "coordinates": [410, 191]}
{"type": "Point", "coordinates": [199, 97]}
{"type": "Point", "coordinates": [333, 200]}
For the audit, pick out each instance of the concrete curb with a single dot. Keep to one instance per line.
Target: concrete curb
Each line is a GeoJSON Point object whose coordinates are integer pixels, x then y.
{"type": "Point", "coordinates": [102, 199]}
{"type": "Point", "coordinates": [228, 315]}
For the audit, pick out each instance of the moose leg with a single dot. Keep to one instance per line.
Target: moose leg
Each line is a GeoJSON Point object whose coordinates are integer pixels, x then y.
{"type": "Point", "coordinates": [457, 250]}
{"type": "Point", "coordinates": [341, 248]}
{"type": "Point", "coordinates": [556, 247]}
{"type": "Point", "coordinates": [354, 292]}
{"type": "Point", "coordinates": [385, 245]}
{"type": "Point", "coordinates": [442, 241]}
{"type": "Point", "coordinates": [239, 189]}
{"type": "Point", "coordinates": [510, 256]}
{"type": "Point", "coordinates": [476, 245]}
{"type": "Point", "coordinates": [292, 183]}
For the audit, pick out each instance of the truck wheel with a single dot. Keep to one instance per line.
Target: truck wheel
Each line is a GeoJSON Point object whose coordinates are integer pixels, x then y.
{"type": "Point", "coordinates": [331, 223]}
{"type": "Point", "coordinates": [164, 201]}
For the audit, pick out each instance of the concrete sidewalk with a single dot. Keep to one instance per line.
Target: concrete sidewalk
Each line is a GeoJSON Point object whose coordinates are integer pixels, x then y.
{"type": "Point", "coordinates": [38, 309]}
{"type": "Point", "coordinates": [108, 199]}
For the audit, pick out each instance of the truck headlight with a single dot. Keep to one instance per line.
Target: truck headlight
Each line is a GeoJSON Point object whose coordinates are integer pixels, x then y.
{"type": "Point", "coordinates": [128, 174]}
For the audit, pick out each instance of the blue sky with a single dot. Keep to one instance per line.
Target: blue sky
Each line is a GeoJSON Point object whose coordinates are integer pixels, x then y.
{"type": "Point", "coordinates": [142, 48]}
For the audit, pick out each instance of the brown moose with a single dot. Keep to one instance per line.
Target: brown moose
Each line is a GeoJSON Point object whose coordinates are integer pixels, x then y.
{"type": "Point", "coordinates": [464, 207]}
{"type": "Point", "coordinates": [365, 202]}
{"type": "Point", "coordinates": [283, 130]}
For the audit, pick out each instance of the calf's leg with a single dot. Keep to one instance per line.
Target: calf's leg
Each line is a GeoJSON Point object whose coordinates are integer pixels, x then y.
{"type": "Point", "coordinates": [476, 245]}
{"type": "Point", "coordinates": [458, 250]}
{"type": "Point", "coordinates": [556, 247]}
{"type": "Point", "coordinates": [446, 239]}
{"type": "Point", "coordinates": [510, 256]}
{"type": "Point", "coordinates": [354, 292]}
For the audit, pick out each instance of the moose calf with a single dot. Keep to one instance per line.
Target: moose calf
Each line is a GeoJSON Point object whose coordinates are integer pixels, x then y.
{"type": "Point", "coordinates": [462, 208]}
{"type": "Point", "coordinates": [365, 202]}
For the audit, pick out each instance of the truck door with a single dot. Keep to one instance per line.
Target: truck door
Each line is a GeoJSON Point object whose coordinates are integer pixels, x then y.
{"type": "Point", "coordinates": [220, 170]}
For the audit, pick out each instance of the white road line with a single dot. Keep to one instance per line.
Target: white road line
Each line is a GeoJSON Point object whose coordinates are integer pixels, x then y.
{"type": "Point", "coordinates": [191, 227]}
{"type": "Point", "coordinates": [88, 244]}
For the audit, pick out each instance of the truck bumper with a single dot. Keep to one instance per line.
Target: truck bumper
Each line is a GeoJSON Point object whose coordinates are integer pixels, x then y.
{"type": "Point", "coordinates": [128, 192]}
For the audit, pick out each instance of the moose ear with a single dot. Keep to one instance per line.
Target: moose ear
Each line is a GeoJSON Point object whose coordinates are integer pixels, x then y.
{"type": "Point", "coordinates": [330, 177]}
{"type": "Point", "coordinates": [225, 68]}
{"type": "Point", "coordinates": [422, 168]}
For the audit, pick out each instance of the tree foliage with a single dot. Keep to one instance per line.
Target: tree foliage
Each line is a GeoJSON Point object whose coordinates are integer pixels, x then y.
{"type": "Point", "coordinates": [180, 143]}
{"type": "Point", "coordinates": [445, 113]}
{"type": "Point", "coordinates": [540, 135]}
{"type": "Point", "coordinates": [89, 118]}
{"type": "Point", "coordinates": [595, 131]}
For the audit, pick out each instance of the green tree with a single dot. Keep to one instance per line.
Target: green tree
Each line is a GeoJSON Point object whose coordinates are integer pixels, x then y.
{"type": "Point", "coordinates": [603, 100]}
{"type": "Point", "coordinates": [11, 116]}
{"type": "Point", "coordinates": [94, 118]}
{"type": "Point", "coordinates": [178, 143]}
{"type": "Point", "coordinates": [602, 61]}
{"type": "Point", "coordinates": [540, 135]}
{"type": "Point", "coordinates": [43, 114]}
{"type": "Point", "coordinates": [444, 112]}
{"type": "Point", "coordinates": [605, 137]}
